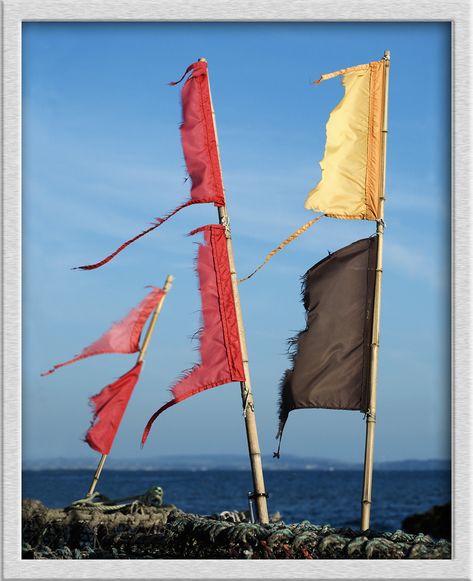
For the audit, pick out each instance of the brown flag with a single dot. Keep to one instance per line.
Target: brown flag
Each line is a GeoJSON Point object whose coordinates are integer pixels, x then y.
{"type": "Point", "coordinates": [331, 356]}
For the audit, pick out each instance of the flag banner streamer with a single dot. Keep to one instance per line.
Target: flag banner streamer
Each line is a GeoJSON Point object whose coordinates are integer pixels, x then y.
{"type": "Point", "coordinates": [350, 186]}
{"type": "Point", "coordinates": [220, 349]}
{"type": "Point", "coordinates": [199, 141]}
{"type": "Point", "coordinates": [109, 406]}
{"type": "Point", "coordinates": [331, 356]}
{"type": "Point", "coordinates": [288, 240]}
{"type": "Point", "coordinates": [199, 144]}
{"type": "Point", "coordinates": [123, 336]}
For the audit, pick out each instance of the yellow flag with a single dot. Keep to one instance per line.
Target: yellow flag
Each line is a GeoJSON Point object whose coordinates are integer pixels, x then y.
{"type": "Point", "coordinates": [351, 167]}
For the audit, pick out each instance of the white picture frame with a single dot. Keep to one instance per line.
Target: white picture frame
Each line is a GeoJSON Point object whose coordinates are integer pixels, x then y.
{"type": "Point", "coordinates": [16, 12]}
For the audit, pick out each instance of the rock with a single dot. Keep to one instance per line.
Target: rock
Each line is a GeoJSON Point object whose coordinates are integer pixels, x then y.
{"type": "Point", "coordinates": [383, 549]}
{"type": "Point", "coordinates": [355, 549]}
{"type": "Point", "coordinates": [332, 547]}
{"type": "Point", "coordinates": [437, 522]}
{"type": "Point", "coordinates": [401, 537]}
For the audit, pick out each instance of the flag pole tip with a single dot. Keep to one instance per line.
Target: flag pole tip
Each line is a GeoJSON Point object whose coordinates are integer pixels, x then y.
{"type": "Point", "coordinates": [168, 283]}
{"type": "Point", "coordinates": [387, 55]}
{"type": "Point", "coordinates": [202, 60]}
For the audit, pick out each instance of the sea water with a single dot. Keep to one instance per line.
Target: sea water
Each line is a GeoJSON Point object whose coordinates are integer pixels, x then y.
{"type": "Point", "coordinates": [322, 497]}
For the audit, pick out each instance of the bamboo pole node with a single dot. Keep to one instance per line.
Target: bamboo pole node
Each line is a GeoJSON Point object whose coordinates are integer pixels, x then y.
{"type": "Point", "coordinates": [253, 495]}
{"type": "Point", "coordinates": [225, 222]}
{"type": "Point", "coordinates": [245, 404]}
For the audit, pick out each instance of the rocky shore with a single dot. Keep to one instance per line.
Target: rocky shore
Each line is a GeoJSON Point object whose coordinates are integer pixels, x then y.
{"type": "Point", "coordinates": [140, 531]}
{"type": "Point", "coordinates": [437, 521]}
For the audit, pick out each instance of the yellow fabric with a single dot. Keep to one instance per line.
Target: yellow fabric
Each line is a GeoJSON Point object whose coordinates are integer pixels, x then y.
{"type": "Point", "coordinates": [288, 240]}
{"type": "Point", "coordinates": [350, 183]}
{"type": "Point", "coordinates": [341, 72]}
{"type": "Point", "coordinates": [374, 155]}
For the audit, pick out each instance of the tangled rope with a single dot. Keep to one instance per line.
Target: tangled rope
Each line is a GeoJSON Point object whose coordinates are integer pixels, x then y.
{"type": "Point", "coordinates": [99, 502]}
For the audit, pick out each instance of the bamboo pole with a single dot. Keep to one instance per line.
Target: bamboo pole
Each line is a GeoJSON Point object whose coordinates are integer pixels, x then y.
{"type": "Point", "coordinates": [154, 318]}
{"type": "Point", "coordinates": [371, 413]}
{"type": "Point", "coordinates": [259, 491]}
{"type": "Point", "coordinates": [96, 475]}
{"type": "Point", "coordinates": [141, 356]}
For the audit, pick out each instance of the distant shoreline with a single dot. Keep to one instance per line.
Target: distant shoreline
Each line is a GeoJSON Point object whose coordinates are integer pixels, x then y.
{"type": "Point", "coordinates": [158, 469]}
{"type": "Point", "coordinates": [235, 463]}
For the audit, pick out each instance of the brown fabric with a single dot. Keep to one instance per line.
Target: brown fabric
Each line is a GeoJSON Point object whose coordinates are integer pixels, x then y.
{"type": "Point", "coordinates": [331, 357]}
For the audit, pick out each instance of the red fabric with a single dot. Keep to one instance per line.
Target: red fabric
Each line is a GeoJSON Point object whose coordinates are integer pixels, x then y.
{"type": "Point", "coordinates": [199, 144]}
{"type": "Point", "coordinates": [157, 223]}
{"type": "Point", "coordinates": [109, 406]}
{"type": "Point", "coordinates": [124, 336]}
{"type": "Point", "coordinates": [198, 137]}
{"type": "Point", "coordinates": [220, 349]}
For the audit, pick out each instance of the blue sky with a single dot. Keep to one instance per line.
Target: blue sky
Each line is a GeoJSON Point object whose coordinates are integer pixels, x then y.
{"type": "Point", "coordinates": [102, 158]}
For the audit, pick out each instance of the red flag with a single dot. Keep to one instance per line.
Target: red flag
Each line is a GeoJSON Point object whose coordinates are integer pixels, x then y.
{"type": "Point", "coordinates": [109, 406]}
{"type": "Point", "coordinates": [124, 336]}
{"type": "Point", "coordinates": [199, 143]}
{"type": "Point", "coordinates": [220, 349]}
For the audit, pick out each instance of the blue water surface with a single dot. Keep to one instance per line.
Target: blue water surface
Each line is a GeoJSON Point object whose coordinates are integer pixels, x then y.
{"type": "Point", "coordinates": [321, 497]}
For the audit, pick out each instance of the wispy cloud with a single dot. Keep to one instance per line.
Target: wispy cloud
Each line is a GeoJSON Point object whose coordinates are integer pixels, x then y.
{"type": "Point", "coordinates": [423, 193]}
{"type": "Point", "coordinates": [414, 263]}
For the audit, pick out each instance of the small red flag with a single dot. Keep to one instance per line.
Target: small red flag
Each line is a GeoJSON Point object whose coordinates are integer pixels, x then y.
{"type": "Point", "coordinates": [199, 141]}
{"type": "Point", "coordinates": [199, 144]}
{"type": "Point", "coordinates": [220, 349]}
{"type": "Point", "coordinates": [124, 336]}
{"type": "Point", "coordinates": [109, 406]}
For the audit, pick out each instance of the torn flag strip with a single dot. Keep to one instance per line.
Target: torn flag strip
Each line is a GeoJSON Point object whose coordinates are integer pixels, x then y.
{"type": "Point", "coordinates": [199, 143]}
{"type": "Point", "coordinates": [109, 406]}
{"type": "Point", "coordinates": [124, 336]}
{"type": "Point", "coordinates": [220, 348]}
